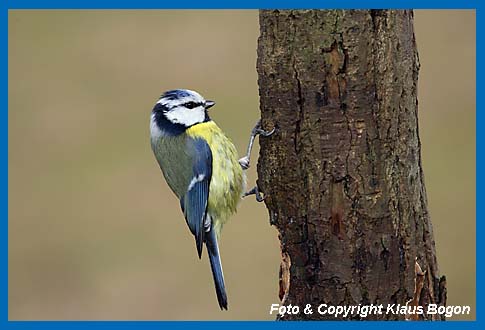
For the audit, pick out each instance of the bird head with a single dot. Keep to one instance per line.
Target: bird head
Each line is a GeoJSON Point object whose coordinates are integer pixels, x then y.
{"type": "Point", "coordinates": [183, 107]}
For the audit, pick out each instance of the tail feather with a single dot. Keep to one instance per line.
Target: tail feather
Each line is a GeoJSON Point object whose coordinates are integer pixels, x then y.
{"type": "Point", "coordinates": [216, 266]}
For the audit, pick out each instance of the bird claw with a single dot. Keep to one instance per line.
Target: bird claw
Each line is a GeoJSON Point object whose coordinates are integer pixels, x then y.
{"type": "Point", "coordinates": [257, 130]}
{"type": "Point", "coordinates": [255, 191]}
{"type": "Point", "coordinates": [265, 133]}
{"type": "Point", "coordinates": [244, 162]}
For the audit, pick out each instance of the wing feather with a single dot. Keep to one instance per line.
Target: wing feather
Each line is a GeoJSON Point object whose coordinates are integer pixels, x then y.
{"type": "Point", "coordinates": [194, 202]}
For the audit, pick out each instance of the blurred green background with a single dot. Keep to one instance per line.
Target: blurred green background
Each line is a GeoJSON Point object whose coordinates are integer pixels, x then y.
{"type": "Point", "coordinates": [94, 231]}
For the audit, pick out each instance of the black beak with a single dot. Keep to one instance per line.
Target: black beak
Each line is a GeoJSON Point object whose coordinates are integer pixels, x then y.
{"type": "Point", "coordinates": [209, 104]}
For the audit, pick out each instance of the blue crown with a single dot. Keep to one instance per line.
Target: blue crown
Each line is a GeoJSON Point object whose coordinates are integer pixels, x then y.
{"type": "Point", "coordinates": [175, 94]}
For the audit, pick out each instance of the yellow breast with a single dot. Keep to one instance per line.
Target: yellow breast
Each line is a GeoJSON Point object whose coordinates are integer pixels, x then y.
{"type": "Point", "coordinates": [227, 182]}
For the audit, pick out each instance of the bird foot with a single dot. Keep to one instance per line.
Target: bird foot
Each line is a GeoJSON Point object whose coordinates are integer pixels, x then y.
{"type": "Point", "coordinates": [255, 191]}
{"type": "Point", "coordinates": [257, 130]}
{"type": "Point", "coordinates": [244, 162]}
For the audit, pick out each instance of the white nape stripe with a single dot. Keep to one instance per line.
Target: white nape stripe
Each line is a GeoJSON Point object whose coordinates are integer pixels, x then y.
{"type": "Point", "coordinates": [155, 131]}
{"type": "Point", "coordinates": [193, 96]}
{"type": "Point", "coordinates": [170, 103]}
{"type": "Point", "coordinates": [186, 117]}
{"type": "Point", "coordinates": [194, 180]}
{"type": "Point", "coordinates": [173, 103]}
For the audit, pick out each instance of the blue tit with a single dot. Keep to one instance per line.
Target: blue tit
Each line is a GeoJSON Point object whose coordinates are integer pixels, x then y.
{"type": "Point", "coordinates": [201, 167]}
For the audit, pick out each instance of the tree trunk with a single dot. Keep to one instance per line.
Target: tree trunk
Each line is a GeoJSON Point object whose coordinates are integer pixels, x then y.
{"type": "Point", "coordinates": [342, 175]}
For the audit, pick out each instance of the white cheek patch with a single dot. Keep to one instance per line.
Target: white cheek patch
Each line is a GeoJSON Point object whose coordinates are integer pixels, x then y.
{"type": "Point", "coordinates": [186, 117]}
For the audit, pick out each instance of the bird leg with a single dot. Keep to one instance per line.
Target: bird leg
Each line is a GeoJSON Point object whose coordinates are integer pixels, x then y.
{"type": "Point", "coordinates": [257, 130]}
{"type": "Point", "coordinates": [255, 191]}
{"type": "Point", "coordinates": [245, 161]}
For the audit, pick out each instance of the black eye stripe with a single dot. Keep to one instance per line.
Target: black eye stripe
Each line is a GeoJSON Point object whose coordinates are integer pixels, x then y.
{"type": "Point", "coordinates": [191, 105]}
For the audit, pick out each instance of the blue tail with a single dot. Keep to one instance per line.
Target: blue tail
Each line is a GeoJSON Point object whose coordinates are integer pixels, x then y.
{"type": "Point", "coordinates": [215, 260]}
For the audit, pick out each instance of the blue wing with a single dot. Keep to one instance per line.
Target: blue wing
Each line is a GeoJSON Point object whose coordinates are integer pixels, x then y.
{"type": "Point", "coordinates": [194, 202]}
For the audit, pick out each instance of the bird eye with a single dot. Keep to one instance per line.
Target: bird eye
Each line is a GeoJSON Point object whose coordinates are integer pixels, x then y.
{"type": "Point", "coordinates": [191, 105]}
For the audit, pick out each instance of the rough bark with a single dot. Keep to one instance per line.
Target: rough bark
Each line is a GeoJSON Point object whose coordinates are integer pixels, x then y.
{"type": "Point", "coordinates": [342, 176]}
